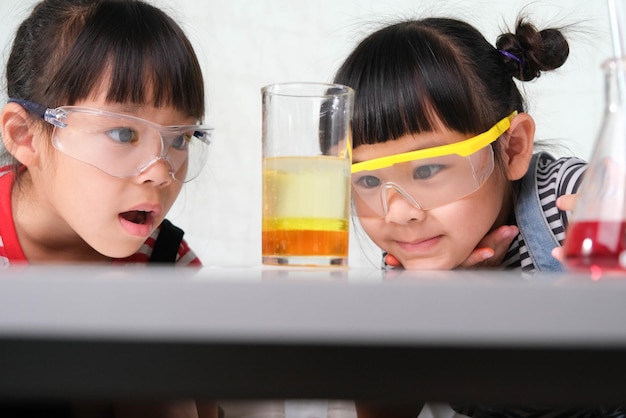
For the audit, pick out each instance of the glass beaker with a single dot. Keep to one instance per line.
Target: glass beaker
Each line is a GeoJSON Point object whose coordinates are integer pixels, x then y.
{"type": "Point", "coordinates": [307, 150]}
{"type": "Point", "coordinates": [596, 235]}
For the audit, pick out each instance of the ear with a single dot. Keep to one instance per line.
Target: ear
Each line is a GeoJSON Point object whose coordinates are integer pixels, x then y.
{"type": "Point", "coordinates": [17, 133]}
{"type": "Point", "coordinates": [517, 145]}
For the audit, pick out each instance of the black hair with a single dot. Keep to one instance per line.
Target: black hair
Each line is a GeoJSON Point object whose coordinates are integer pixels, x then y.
{"type": "Point", "coordinates": [409, 74]}
{"type": "Point", "coordinates": [65, 49]}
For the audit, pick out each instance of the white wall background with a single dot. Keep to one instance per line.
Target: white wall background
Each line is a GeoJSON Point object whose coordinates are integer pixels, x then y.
{"type": "Point", "coordinates": [246, 44]}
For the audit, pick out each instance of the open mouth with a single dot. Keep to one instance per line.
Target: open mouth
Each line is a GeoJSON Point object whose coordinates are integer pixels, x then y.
{"type": "Point", "coordinates": [137, 216]}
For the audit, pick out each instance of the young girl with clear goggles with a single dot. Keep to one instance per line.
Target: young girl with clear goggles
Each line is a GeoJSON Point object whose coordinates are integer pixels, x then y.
{"type": "Point", "coordinates": [444, 164]}
{"type": "Point", "coordinates": [101, 129]}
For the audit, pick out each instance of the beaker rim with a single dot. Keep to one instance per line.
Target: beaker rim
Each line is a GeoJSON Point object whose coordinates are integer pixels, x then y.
{"type": "Point", "coordinates": [307, 89]}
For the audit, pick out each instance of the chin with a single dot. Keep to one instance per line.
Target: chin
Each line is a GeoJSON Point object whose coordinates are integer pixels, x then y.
{"type": "Point", "coordinates": [120, 251]}
{"type": "Point", "coordinates": [428, 264]}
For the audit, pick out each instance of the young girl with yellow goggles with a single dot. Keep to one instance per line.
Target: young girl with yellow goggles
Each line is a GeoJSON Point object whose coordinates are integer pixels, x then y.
{"type": "Point", "coordinates": [444, 165]}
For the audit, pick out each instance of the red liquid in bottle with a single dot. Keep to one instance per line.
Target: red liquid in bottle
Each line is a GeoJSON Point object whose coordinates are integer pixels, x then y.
{"type": "Point", "coordinates": [596, 245]}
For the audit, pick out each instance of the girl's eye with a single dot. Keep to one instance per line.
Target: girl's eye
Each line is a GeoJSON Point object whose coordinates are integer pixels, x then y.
{"type": "Point", "coordinates": [369, 182]}
{"type": "Point", "coordinates": [424, 172]}
{"type": "Point", "coordinates": [123, 135]}
{"type": "Point", "coordinates": [181, 142]}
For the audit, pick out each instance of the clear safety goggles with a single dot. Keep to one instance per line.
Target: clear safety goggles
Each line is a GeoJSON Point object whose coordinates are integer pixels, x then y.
{"type": "Point", "coordinates": [427, 178]}
{"type": "Point", "coordinates": [122, 145]}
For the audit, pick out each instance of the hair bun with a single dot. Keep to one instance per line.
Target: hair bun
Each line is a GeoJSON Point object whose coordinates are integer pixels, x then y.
{"type": "Point", "coordinates": [537, 51]}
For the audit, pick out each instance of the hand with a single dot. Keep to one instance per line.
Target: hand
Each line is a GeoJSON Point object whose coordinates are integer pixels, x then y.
{"type": "Point", "coordinates": [491, 250]}
{"type": "Point", "coordinates": [392, 261]}
{"type": "Point", "coordinates": [489, 253]}
{"type": "Point", "coordinates": [565, 202]}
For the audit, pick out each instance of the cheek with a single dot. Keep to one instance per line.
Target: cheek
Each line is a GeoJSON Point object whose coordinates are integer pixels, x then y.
{"type": "Point", "coordinates": [82, 187]}
{"type": "Point", "coordinates": [481, 209]}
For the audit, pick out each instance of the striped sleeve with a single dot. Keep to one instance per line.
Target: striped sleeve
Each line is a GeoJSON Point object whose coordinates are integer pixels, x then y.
{"type": "Point", "coordinates": [557, 178]}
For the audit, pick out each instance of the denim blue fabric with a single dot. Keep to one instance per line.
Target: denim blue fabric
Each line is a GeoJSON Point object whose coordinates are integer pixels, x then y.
{"type": "Point", "coordinates": [532, 223]}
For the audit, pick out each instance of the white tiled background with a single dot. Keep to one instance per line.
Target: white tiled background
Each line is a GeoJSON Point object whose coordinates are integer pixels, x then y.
{"type": "Point", "coordinates": [246, 44]}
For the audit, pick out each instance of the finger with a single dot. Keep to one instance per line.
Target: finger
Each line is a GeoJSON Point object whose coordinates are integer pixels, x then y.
{"type": "Point", "coordinates": [392, 261]}
{"type": "Point", "coordinates": [477, 256]}
{"type": "Point", "coordinates": [492, 249]}
{"type": "Point", "coordinates": [557, 253]}
{"type": "Point", "coordinates": [499, 237]}
{"type": "Point", "coordinates": [505, 234]}
{"type": "Point", "coordinates": [566, 201]}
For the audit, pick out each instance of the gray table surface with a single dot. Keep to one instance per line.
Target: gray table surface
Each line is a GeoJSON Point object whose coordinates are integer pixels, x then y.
{"type": "Point", "coordinates": [268, 333]}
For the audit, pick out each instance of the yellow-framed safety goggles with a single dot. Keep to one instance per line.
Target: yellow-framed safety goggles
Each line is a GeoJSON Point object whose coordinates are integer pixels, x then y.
{"type": "Point", "coordinates": [462, 148]}
{"type": "Point", "coordinates": [427, 178]}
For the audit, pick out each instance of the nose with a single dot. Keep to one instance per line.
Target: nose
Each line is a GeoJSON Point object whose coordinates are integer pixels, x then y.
{"type": "Point", "coordinates": [400, 208]}
{"type": "Point", "coordinates": [158, 171]}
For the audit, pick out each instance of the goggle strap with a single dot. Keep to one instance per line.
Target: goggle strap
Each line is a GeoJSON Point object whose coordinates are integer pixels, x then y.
{"type": "Point", "coordinates": [462, 148]}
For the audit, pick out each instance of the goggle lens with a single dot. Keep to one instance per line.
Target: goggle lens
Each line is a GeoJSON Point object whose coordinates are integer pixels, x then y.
{"type": "Point", "coordinates": [427, 178]}
{"type": "Point", "coordinates": [426, 183]}
{"type": "Point", "coordinates": [123, 145]}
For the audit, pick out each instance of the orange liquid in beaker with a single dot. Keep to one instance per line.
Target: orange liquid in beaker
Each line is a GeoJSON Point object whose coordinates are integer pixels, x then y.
{"type": "Point", "coordinates": [294, 242]}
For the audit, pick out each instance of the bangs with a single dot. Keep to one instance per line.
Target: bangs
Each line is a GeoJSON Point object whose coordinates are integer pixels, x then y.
{"type": "Point", "coordinates": [404, 87]}
{"type": "Point", "coordinates": [142, 55]}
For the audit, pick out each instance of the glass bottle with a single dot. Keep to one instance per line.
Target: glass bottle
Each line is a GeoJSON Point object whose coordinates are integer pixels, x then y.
{"type": "Point", "coordinates": [596, 235]}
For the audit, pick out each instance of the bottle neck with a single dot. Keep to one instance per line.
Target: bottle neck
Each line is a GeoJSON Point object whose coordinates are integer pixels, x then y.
{"type": "Point", "coordinates": [615, 84]}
